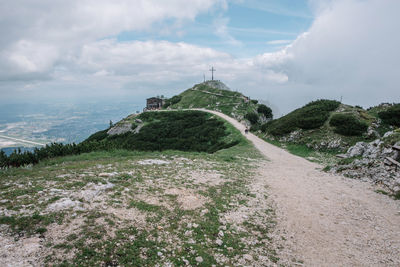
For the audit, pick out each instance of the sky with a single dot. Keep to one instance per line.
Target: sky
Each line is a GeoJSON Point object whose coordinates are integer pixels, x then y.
{"type": "Point", "coordinates": [286, 52]}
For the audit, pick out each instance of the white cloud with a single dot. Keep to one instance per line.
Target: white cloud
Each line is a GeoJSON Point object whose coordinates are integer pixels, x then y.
{"type": "Point", "coordinates": [37, 35]}
{"type": "Point", "coordinates": [137, 57]}
{"type": "Point", "coordinates": [351, 50]}
{"type": "Point", "coordinates": [222, 31]}
{"type": "Point", "coordinates": [279, 42]}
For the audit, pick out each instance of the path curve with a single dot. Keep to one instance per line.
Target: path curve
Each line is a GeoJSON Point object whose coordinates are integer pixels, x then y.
{"type": "Point", "coordinates": [327, 219]}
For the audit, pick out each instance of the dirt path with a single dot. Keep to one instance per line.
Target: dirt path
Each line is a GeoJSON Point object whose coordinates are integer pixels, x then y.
{"type": "Point", "coordinates": [328, 220]}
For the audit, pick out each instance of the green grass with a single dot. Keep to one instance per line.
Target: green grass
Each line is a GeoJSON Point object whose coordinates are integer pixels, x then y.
{"type": "Point", "coordinates": [34, 224]}
{"type": "Point", "coordinates": [300, 150]}
{"type": "Point", "coordinates": [228, 102]}
{"type": "Point", "coordinates": [157, 234]}
{"type": "Point", "coordinates": [311, 116]}
{"type": "Point", "coordinates": [383, 192]}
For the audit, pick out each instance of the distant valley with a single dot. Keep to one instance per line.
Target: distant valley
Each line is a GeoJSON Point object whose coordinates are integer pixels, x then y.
{"type": "Point", "coordinates": [46, 123]}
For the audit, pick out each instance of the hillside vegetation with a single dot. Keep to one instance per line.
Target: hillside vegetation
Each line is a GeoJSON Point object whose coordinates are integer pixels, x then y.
{"type": "Point", "coordinates": [157, 131]}
{"type": "Point", "coordinates": [209, 95]}
{"type": "Point", "coordinates": [136, 208]}
{"type": "Point", "coordinates": [323, 128]}
{"type": "Point", "coordinates": [311, 116]}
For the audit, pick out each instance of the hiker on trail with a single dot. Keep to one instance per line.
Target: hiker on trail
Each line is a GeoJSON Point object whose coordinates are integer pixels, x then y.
{"type": "Point", "coordinates": [246, 131]}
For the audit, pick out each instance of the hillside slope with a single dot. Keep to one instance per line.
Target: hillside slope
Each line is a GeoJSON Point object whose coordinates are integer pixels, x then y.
{"type": "Point", "coordinates": [149, 131]}
{"type": "Point", "coordinates": [214, 95]}
{"type": "Point", "coordinates": [135, 208]}
{"type": "Point", "coordinates": [347, 140]}
{"type": "Point", "coordinates": [326, 125]}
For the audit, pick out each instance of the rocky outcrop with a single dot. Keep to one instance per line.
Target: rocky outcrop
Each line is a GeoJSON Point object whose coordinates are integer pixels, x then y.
{"type": "Point", "coordinates": [367, 161]}
{"type": "Point", "coordinates": [217, 85]}
{"type": "Point", "coordinates": [328, 143]}
{"type": "Point", "coordinates": [126, 126]}
{"type": "Point", "coordinates": [120, 128]}
{"type": "Point", "coordinates": [324, 144]}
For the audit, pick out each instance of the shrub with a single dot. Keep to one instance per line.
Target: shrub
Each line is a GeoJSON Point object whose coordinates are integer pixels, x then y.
{"type": "Point", "coordinates": [254, 101]}
{"type": "Point", "coordinates": [255, 127]}
{"type": "Point", "coordinates": [264, 126]}
{"type": "Point", "coordinates": [311, 116]}
{"type": "Point", "coordinates": [391, 116]}
{"type": "Point", "coordinates": [251, 117]}
{"type": "Point", "coordinates": [263, 109]}
{"type": "Point", "coordinates": [98, 136]}
{"type": "Point", "coordinates": [173, 100]}
{"type": "Point", "coordinates": [348, 124]}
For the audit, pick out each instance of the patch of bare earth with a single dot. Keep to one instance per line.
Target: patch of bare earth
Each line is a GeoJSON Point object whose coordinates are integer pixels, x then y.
{"type": "Point", "coordinates": [187, 199]}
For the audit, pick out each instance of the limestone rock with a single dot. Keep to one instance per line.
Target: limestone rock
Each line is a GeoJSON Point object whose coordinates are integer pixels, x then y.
{"type": "Point", "coordinates": [357, 150]}
{"type": "Point", "coordinates": [120, 128]}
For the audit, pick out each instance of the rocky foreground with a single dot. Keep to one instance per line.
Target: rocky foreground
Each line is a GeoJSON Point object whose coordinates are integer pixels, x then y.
{"type": "Point", "coordinates": [369, 162]}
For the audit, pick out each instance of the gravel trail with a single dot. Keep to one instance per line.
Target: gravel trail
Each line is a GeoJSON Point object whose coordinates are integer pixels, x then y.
{"type": "Point", "coordinates": [326, 219]}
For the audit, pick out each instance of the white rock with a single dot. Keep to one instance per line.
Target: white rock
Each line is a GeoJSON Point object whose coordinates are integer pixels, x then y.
{"type": "Point", "coordinates": [199, 259]}
{"type": "Point", "coordinates": [64, 203]}
{"type": "Point", "coordinates": [108, 174]}
{"type": "Point", "coordinates": [387, 134]}
{"type": "Point", "coordinates": [248, 257]}
{"type": "Point", "coordinates": [357, 150]}
{"type": "Point", "coordinates": [219, 242]}
{"type": "Point", "coordinates": [188, 233]}
{"type": "Point", "coordinates": [221, 234]}
{"type": "Point", "coordinates": [152, 162]}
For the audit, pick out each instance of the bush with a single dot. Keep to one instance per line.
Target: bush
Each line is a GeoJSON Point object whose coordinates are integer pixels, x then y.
{"type": "Point", "coordinates": [391, 116]}
{"type": "Point", "coordinates": [98, 136]}
{"type": "Point", "coordinates": [173, 100]}
{"type": "Point", "coordinates": [348, 124]}
{"type": "Point", "coordinates": [254, 101]}
{"type": "Point", "coordinates": [263, 109]}
{"type": "Point", "coordinates": [311, 116]}
{"type": "Point", "coordinates": [255, 127]}
{"type": "Point", "coordinates": [251, 117]}
{"type": "Point", "coordinates": [265, 126]}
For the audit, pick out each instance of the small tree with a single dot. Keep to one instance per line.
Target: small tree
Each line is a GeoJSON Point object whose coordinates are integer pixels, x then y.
{"type": "Point", "coordinates": [391, 115]}
{"type": "Point", "coordinates": [251, 117]}
{"type": "Point", "coordinates": [263, 109]}
{"type": "Point", "coordinates": [3, 159]}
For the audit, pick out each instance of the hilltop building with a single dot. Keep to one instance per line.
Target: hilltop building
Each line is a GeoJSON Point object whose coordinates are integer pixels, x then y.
{"type": "Point", "coordinates": [154, 103]}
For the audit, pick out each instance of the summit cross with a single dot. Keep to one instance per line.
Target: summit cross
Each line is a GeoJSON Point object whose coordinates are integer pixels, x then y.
{"type": "Point", "coordinates": [212, 73]}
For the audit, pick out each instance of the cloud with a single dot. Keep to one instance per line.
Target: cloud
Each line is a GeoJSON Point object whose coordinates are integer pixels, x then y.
{"type": "Point", "coordinates": [153, 57]}
{"type": "Point", "coordinates": [351, 50]}
{"type": "Point", "coordinates": [280, 7]}
{"type": "Point", "coordinates": [279, 42]}
{"type": "Point", "coordinates": [36, 36]}
{"type": "Point", "coordinates": [222, 31]}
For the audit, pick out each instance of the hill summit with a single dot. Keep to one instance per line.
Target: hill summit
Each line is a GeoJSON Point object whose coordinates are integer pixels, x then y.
{"type": "Point", "coordinates": [214, 95]}
{"type": "Point", "coordinates": [217, 84]}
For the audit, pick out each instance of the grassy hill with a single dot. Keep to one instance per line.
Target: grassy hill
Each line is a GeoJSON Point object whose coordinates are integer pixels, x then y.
{"type": "Point", "coordinates": [149, 131]}
{"type": "Point", "coordinates": [134, 208]}
{"type": "Point", "coordinates": [214, 95]}
{"type": "Point", "coordinates": [328, 126]}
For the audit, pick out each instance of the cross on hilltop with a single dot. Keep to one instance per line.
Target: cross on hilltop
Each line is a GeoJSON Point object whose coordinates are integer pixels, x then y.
{"type": "Point", "coordinates": [212, 73]}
